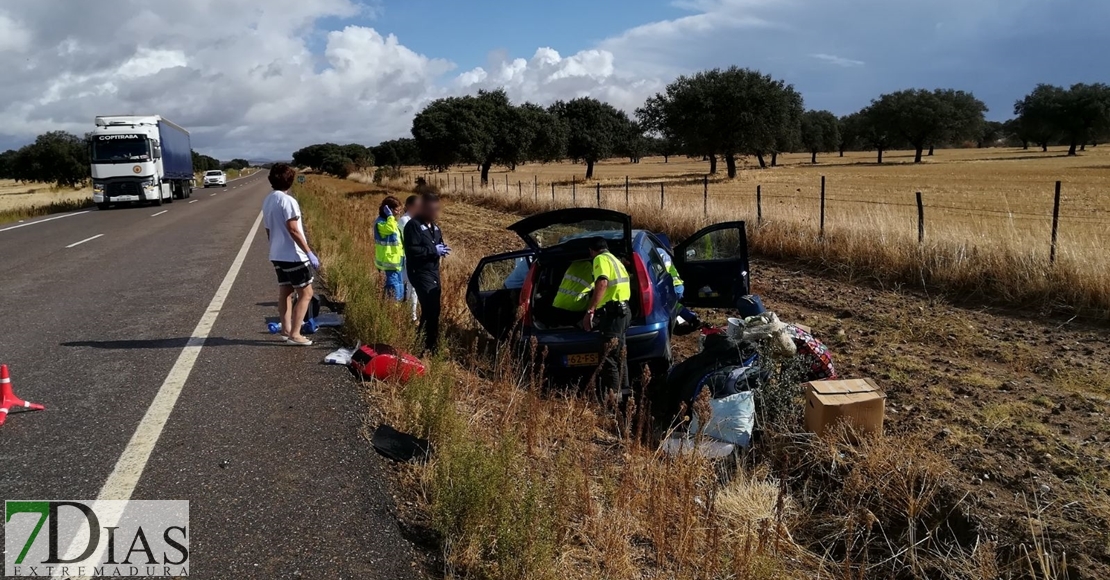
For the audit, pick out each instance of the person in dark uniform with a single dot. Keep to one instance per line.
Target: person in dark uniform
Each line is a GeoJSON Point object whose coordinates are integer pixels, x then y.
{"type": "Point", "coordinates": [424, 247]}
{"type": "Point", "coordinates": [610, 314]}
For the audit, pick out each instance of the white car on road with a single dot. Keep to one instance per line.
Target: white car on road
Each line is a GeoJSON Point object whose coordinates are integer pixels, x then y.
{"type": "Point", "coordinates": [215, 178]}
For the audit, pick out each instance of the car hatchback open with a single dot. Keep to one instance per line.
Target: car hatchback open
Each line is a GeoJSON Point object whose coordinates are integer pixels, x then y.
{"type": "Point", "coordinates": [512, 295]}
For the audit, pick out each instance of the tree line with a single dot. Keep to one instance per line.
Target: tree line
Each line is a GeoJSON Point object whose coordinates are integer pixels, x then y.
{"type": "Point", "coordinates": [726, 114]}
{"type": "Point", "coordinates": [62, 158]}
{"type": "Point", "coordinates": [343, 160]}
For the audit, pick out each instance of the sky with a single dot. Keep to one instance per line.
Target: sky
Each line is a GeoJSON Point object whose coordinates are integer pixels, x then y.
{"type": "Point", "coordinates": [261, 78]}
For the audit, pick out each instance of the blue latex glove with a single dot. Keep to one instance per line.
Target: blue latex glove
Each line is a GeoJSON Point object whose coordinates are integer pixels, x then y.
{"type": "Point", "coordinates": [312, 259]}
{"type": "Point", "coordinates": [388, 212]}
{"type": "Point", "coordinates": [442, 250]}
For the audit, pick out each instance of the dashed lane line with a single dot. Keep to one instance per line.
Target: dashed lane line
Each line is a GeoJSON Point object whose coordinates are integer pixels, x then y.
{"type": "Point", "coordinates": [75, 244]}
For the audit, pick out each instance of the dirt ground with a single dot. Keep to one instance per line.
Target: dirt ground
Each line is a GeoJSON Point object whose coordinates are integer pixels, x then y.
{"type": "Point", "coordinates": [1018, 403]}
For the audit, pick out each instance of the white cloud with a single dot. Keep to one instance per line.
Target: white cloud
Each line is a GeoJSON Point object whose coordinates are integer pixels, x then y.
{"type": "Point", "coordinates": [837, 60]}
{"type": "Point", "coordinates": [261, 79]}
{"type": "Point", "coordinates": [548, 77]}
{"type": "Point", "coordinates": [13, 37]}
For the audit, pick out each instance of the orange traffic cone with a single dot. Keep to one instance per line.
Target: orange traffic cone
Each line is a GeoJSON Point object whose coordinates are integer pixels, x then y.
{"type": "Point", "coordinates": [8, 400]}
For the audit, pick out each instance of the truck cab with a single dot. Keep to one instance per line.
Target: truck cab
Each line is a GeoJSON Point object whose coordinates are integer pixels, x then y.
{"type": "Point", "coordinates": [139, 159]}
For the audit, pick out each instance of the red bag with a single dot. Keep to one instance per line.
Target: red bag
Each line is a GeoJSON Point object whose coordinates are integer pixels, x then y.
{"type": "Point", "coordinates": [818, 355]}
{"type": "Point", "coordinates": [383, 362]}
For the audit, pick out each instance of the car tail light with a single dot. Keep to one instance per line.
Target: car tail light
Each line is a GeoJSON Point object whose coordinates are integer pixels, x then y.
{"type": "Point", "coordinates": [526, 296]}
{"type": "Point", "coordinates": [647, 297]}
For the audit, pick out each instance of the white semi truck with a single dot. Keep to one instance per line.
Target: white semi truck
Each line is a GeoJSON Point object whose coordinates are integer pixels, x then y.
{"type": "Point", "coordinates": [140, 159]}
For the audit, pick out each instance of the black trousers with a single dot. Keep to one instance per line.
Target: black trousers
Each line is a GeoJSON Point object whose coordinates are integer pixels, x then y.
{"type": "Point", "coordinates": [430, 306]}
{"type": "Point", "coordinates": [612, 321]}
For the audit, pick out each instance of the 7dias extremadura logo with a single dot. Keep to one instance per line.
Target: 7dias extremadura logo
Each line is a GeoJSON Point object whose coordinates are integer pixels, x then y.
{"type": "Point", "coordinates": [44, 538]}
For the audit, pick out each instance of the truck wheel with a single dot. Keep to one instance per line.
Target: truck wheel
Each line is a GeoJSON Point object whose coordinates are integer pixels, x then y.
{"type": "Point", "coordinates": [158, 202]}
{"type": "Point", "coordinates": [103, 206]}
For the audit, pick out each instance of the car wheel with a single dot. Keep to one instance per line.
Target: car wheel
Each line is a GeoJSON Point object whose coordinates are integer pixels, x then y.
{"type": "Point", "coordinates": [103, 206]}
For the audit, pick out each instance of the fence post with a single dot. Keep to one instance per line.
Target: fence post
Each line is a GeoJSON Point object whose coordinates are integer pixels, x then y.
{"type": "Point", "coordinates": [506, 183]}
{"type": "Point", "coordinates": [705, 187]}
{"type": "Point", "coordinates": [625, 191]}
{"type": "Point", "coordinates": [519, 190]}
{"type": "Point", "coordinates": [759, 205]}
{"type": "Point", "coordinates": [822, 206]}
{"type": "Point", "coordinates": [536, 187]}
{"type": "Point", "coordinates": [553, 191]}
{"type": "Point", "coordinates": [599, 194]}
{"type": "Point", "coordinates": [573, 190]}
{"type": "Point", "coordinates": [1055, 223]}
{"type": "Point", "coordinates": [920, 220]}
{"type": "Point", "coordinates": [472, 190]}
{"type": "Point", "coordinates": [662, 194]}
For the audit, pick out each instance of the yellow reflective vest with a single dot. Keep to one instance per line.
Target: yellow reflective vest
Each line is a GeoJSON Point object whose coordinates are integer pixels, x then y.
{"type": "Point", "coordinates": [575, 289]}
{"type": "Point", "coordinates": [389, 255]}
{"type": "Point", "coordinates": [607, 266]}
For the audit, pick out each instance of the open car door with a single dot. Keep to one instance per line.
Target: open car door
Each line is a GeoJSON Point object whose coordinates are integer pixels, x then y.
{"type": "Point", "coordinates": [553, 228]}
{"type": "Point", "coordinates": [713, 264]}
{"type": "Point", "coordinates": [493, 294]}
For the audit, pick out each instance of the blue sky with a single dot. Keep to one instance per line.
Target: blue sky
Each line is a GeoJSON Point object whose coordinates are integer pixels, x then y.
{"type": "Point", "coordinates": [261, 79]}
{"type": "Point", "coordinates": [469, 31]}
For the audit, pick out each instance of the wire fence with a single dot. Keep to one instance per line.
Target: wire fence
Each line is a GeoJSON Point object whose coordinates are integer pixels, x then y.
{"type": "Point", "coordinates": [725, 199]}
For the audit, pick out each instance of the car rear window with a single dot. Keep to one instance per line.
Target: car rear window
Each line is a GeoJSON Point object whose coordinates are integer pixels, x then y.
{"type": "Point", "coordinates": [561, 233]}
{"type": "Point", "coordinates": [214, 173]}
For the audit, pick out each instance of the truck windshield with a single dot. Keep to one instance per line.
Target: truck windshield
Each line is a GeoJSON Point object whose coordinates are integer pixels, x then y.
{"type": "Point", "coordinates": [119, 150]}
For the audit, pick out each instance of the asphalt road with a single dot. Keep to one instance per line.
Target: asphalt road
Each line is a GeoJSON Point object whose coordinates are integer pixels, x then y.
{"type": "Point", "coordinates": [266, 443]}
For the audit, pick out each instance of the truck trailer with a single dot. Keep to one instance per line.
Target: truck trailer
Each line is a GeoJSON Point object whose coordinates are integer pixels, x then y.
{"type": "Point", "coordinates": [140, 159]}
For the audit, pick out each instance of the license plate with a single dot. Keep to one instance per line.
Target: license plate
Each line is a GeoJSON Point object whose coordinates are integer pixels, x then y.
{"type": "Point", "coordinates": [582, 360]}
{"type": "Point", "coordinates": [126, 198]}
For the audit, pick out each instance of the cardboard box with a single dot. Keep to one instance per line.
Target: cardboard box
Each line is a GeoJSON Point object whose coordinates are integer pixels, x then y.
{"type": "Point", "coordinates": [860, 402]}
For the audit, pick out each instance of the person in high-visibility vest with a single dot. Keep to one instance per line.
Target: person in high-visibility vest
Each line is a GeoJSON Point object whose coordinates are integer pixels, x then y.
{"type": "Point", "coordinates": [611, 315]}
{"type": "Point", "coordinates": [679, 285]}
{"type": "Point", "coordinates": [389, 256]}
{"type": "Point", "coordinates": [573, 297]}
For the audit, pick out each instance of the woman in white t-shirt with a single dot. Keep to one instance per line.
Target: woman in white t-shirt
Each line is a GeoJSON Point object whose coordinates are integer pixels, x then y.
{"type": "Point", "coordinates": [410, 209]}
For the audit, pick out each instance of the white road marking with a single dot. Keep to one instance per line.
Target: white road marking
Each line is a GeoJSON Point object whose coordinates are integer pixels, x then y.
{"type": "Point", "coordinates": [159, 213]}
{"type": "Point", "coordinates": [49, 219]}
{"type": "Point", "coordinates": [194, 201]}
{"type": "Point", "coordinates": [213, 195]}
{"type": "Point", "coordinates": [129, 468]}
{"type": "Point", "coordinates": [83, 241]}
{"type": "Point", "coordinates": [121, 483]}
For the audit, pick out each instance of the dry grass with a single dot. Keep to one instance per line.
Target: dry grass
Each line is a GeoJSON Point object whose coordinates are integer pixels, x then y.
{"type": "Point", "coordinates": [988, 216]}
{"type": "Point", "coordinates": [16, 195]}
{"type": "Point", "coordinates": [20, 201]}
{"type": "Point", "coordinates": [528, 484]}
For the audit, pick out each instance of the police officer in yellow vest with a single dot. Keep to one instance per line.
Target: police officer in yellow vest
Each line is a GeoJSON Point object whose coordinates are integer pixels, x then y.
{"type": "Point", "coordinates": [389, 256]}
{"type": "Point", "coordinates": [679, 285]}
{"type": "Point", "coordinates": [573, 297]}
{"type": "Point", "coordinates": [610, 314]}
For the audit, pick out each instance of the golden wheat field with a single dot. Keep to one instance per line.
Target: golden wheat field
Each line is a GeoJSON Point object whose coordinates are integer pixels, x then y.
{"type": "Point", "coordinates": [987, 214]}
{"type": "Point", "coordinates": [15, 195]}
